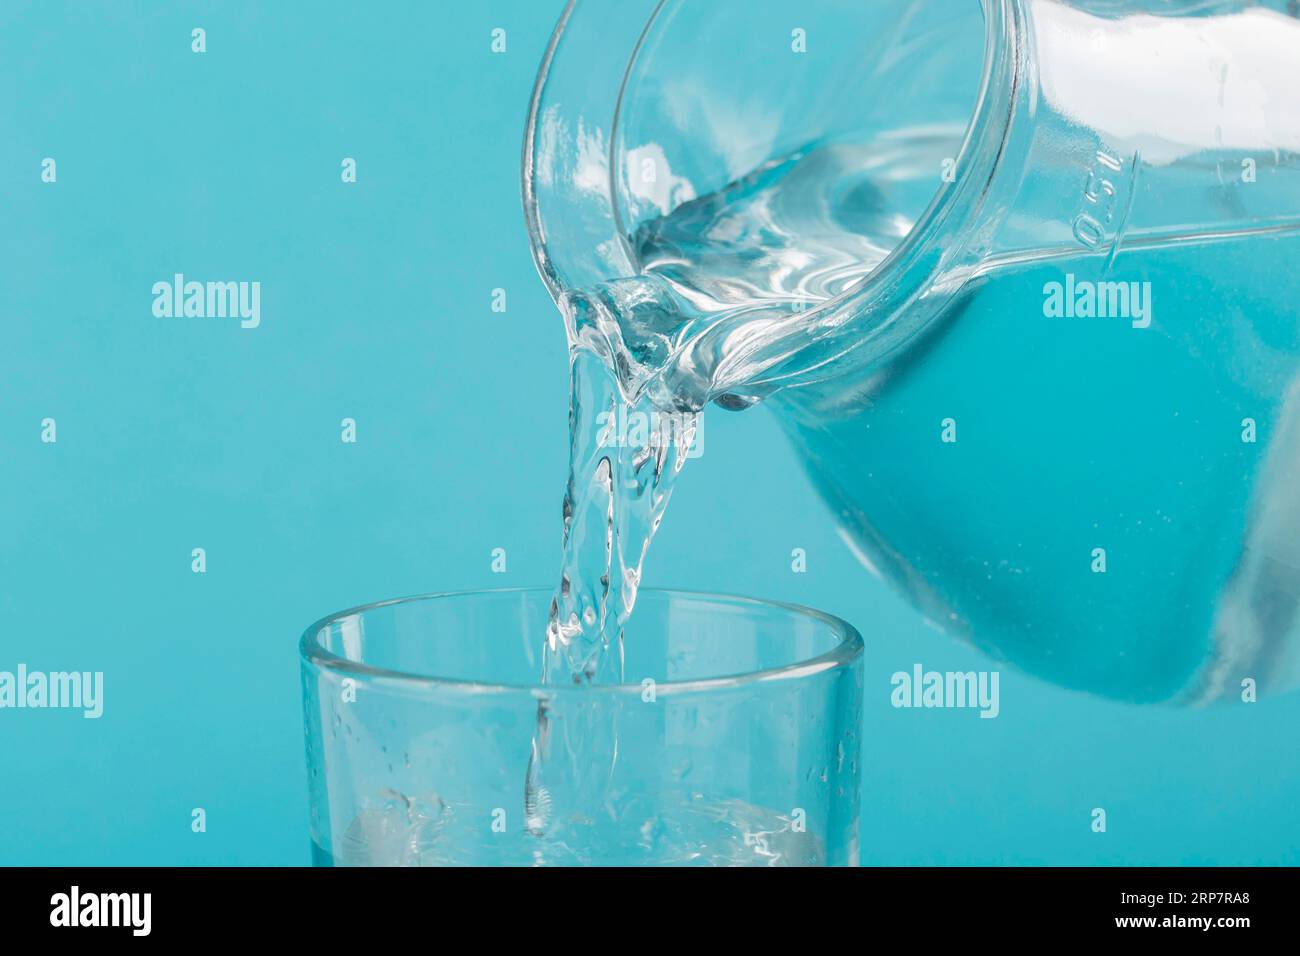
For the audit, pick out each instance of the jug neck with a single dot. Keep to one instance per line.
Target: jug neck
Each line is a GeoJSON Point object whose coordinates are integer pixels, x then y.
{"type": "Point", "coordinates": [1102, 131]}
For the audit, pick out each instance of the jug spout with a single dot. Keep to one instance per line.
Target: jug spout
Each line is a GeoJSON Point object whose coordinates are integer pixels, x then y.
{"type": "Point", "coordinates": [659, 128]}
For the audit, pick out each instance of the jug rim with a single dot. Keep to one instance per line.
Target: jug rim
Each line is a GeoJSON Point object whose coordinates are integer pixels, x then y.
{"type": "Point", "coordinates": [912, 264]}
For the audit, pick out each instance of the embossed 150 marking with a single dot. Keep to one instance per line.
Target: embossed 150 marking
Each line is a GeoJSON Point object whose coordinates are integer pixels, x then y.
{"type": "Point", "coordinates": [1100, 194]}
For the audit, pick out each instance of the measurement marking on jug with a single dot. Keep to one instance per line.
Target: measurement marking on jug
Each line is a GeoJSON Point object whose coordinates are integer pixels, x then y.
{"type": "Point", "coordinates": [1100, 193]}
{"type": "Point", "coordinates": [1107, 211]}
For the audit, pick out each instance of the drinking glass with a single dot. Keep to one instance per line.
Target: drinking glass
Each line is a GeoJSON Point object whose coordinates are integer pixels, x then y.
{"type": "Point", "coordinates": [733, 740]}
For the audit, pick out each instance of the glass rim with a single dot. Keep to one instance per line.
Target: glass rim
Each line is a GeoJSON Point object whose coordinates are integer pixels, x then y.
{"type": "Point", "coordinates": [848, 648]}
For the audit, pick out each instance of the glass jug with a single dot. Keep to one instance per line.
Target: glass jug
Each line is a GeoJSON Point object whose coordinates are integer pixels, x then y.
{"type": "Point", "coordinates": [1016, 277]}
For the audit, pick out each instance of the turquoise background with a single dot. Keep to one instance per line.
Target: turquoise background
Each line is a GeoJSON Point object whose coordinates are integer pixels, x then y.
{"type": "Point", "coordinates": [376, 305]}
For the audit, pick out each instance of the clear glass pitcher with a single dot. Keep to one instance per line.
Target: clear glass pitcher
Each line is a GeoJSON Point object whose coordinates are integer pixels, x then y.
{"type": "Point", "coordinates": [1016, 276]}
